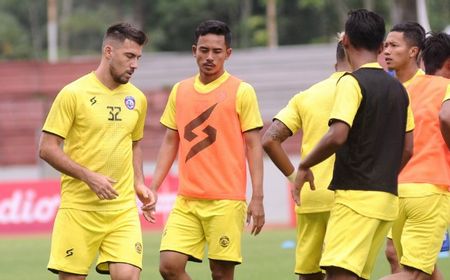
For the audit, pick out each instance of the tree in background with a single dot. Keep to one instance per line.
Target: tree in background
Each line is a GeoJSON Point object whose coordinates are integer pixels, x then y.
{"type": "Point", "coordinates": [22, 29]}
{"type": "Point", "coordinates": [170, 23]}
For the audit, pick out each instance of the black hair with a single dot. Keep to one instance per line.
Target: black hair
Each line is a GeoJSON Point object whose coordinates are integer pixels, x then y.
{"type": "Point", "coordinates": [121, 31]}
{"type": "Point", "coordinates": [413, 32]}
{"type": "Point", "coordinates": [365, 29]}
{"type": "Point", "coordinates": [216, 27]}
{"type": "Point", "coordinates": [436, 50]}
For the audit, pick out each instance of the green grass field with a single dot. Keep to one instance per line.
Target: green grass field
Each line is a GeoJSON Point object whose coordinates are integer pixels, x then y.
{"type": "Point", "coordinates": [25, 258]}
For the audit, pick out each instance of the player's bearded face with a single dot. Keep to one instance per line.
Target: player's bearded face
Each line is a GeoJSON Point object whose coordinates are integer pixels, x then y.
{"type": "Point", "coordinates": [119, 76]}
{"type": "Point", "coordinates": [124, 61]}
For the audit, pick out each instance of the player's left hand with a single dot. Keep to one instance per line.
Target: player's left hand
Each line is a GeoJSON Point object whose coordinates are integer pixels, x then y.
{"type": "Point", "coordinates": [148, 199]}
{"type": "Point", "coordinates": [255, 211]}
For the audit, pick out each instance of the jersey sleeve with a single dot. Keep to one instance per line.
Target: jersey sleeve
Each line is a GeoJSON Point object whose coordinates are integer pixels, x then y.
{"type": "Point", "coordinates": [247, 108]}
{"type": "Point", "coordinates": [290, 115]}
{"type": "Point", "coordinates": [138, 132]}
{"type": "Point", "coordinates": [409, 119]}
{"type": "Point", "coordinates": [62, 113]}
{"type": "Point", "coordinates": [347, 100]}
{"type": "Point", "coordinates": [447, 94]}
{"type": "Point", "coordinates": [169, 114]}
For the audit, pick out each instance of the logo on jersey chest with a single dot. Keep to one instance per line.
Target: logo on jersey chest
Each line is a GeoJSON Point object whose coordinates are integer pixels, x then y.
{"type": "Point", "coordinates": [93, 100]}
{"type": "Point", "coordinates": [130, 102]}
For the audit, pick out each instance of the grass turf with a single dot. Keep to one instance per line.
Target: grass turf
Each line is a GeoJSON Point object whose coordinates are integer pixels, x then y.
{"type": "Point", "coordinates": [265, 258]}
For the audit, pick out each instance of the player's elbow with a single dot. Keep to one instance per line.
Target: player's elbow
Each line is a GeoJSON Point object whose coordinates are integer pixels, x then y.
{"type": "Point", "coordinates": [408, 153]}
{"type": "Point", "coordinates": [338, 140]}
{"type": "Point", "coordinates": [337, 134]}
{"type": "Point", "coordinates": [335, 140]}
{"type": "Point", "coordinates": [444, 119]}
{"type": "Point", "coordinates": [44, 149]}
{"type": "Point", "coordinates": [267, 142]}
{"type": "Point", "coordinates": [43, 152]}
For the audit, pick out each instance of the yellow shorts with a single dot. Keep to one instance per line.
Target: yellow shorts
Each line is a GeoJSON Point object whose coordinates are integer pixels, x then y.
{"type": "Point", "coordinates": [352, 241]}
{"type": "Point", "coordinates": [419, 230]}
{"type": "Point", "coordinates": [194, 223]}
{"type": "Point", "coordinates": [311, 228]}
{"type": "Point", "coordinates": [78, 236]}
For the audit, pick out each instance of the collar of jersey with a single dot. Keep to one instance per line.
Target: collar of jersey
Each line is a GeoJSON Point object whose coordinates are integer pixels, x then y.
{"type": "Point", "coordinates": [337, 74]}
{"type": "Point", "coordinates": [202, 88]}
{"type": "Point", "coordinates": [371, 65]}
{"type": "Point", "coordinates": [418, 73]}
{"type": "Point", "coordinates": [97, 81]}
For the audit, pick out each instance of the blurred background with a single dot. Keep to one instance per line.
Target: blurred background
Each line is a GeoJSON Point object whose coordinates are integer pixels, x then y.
{"type": "Point", "coordinates": [279, 46]}
{"type": "Point", "coordinates": [30, 28]}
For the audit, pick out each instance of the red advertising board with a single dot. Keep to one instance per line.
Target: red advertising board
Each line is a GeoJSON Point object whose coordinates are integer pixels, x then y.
{"type": "Point", "coordinates": [30, 207]}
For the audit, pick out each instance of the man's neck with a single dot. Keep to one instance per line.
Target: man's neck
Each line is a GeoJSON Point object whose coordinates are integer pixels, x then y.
{"type": "Point", "coordinates": [359, 57]}
{"type": "Point", "coordinates": [105, 78]}
{"type": "Point", "coordinates": [405, 74]}
{"type": "Point", "coordinates": [206, 79]}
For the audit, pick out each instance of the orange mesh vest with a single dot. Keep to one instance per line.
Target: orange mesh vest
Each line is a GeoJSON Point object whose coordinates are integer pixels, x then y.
{"type": "Point", "coordinates": [430, 162]}
{"type": "Point", "coordinates": [211, 154]}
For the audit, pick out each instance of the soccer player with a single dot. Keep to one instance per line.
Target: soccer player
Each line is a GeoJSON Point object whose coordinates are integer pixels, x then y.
{"type": "Point", "coordinates": [401, 53]}
{"type": "Point", "coordinates": [99, 121]}
{"type": "Point", "coordinates": [301, 114]}
{"type": "Point", "coordinates": [370, 131]}
{"type": "Point", "coordinates": [424, 183]}
{"type": "Point", "coordinates": [213, 121]}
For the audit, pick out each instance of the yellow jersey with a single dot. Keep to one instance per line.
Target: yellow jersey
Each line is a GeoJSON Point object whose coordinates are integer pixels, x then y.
{"type": "Point", "coordinates": [99, 126]}
{"type": "Point", "coordinates": [302, 113]}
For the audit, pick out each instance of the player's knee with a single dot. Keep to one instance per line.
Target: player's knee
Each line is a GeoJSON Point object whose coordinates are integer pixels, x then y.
{"type": "Point", "coordinates": [334, 272]}
{"type": "Point", "coordinates": [221, 275]}
{"type": "Point", "coordinates": [222, 270]}
{"type": "Point", "coordinates": [169, 270]}
{"type": "Point", "coordinates": [172, 265]}
{"type": "Point", "coordinates": [312, 276]}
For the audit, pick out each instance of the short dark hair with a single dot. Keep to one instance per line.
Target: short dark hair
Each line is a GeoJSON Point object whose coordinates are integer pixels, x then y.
{"type": "Point", "coordinates": [436, 50]}
{"type": "Point", "coordinates": [121, 31]}
{"type": "Point", "coordinates": [365, 29]}
{"type": "Point", "coordinates": [216, 27]}
{"type": "Point", "coordinates": [413, 32]}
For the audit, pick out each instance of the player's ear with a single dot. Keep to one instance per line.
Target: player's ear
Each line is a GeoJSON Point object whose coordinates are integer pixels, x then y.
{"type": "Point", "coordinates": [381, 49]}
{"type": "Point", "coordinates": [345, 41]}
{"type": "Point", "coordinates": [107, 51]}
{"type": "Point", "coordinates": [447, 67]}
{"type": "Point", "coordinates": [228, 52]}
{"type": "Point", "coordinates": [413, 52]}
{"type": "Point", "coordinates": [194, 50]}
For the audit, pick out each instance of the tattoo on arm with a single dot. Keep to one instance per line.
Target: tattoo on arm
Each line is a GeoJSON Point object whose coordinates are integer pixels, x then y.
{"type": "Point", "coordinates": [278, 131]}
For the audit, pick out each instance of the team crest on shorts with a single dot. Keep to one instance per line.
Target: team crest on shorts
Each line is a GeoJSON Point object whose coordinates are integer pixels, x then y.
{"type": "Point", "coordinates": [130, 102]}
{"type": "Point", "coordinates": [138, 247]}
{"type": "Point", "coordinates": [224, 241]}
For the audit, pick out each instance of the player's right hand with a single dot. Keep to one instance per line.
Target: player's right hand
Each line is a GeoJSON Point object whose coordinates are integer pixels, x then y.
{"type": "Point", "coordinates": [303, 175]}
{"type": "Point", "coordinates": [102, 186]}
